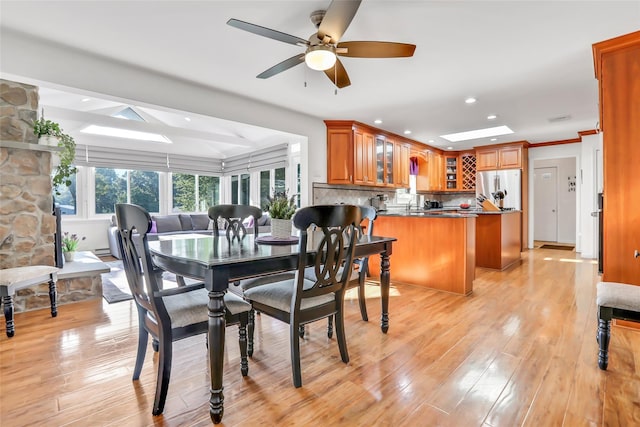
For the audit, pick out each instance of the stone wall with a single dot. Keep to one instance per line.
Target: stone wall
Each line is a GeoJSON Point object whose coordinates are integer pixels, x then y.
{"type": "Point", "coordinates": [69, 290]}
{"type": "Point", "coordinates": [27, 225]}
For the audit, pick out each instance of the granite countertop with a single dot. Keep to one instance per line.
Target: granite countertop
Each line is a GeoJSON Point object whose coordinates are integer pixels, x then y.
{"type": "Point", "coordinates": [447, 212]}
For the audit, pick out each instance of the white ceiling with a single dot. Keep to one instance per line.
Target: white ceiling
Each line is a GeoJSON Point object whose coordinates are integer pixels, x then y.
{"type": "Point", "coordinates": [526, 61]}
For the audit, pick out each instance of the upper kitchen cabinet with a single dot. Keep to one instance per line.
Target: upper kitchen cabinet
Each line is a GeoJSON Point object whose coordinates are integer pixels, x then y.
{"type": "Point", "coordinates": [507, 156]}
{"type": "Point", "coordinates": [364, 171]}
{"type": "Point", "coordinates": [468, 171]}
{"type": "Point", "coordinates": [361, 155]}
{"type": "Point", "coordinates": [401, 157]}
{"type": "Point", "coordinates": [340, 149]}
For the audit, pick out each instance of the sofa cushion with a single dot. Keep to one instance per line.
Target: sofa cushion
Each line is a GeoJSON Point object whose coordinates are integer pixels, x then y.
{"type": "Point", "coordinates": [264, 220]}
{"type": "Point", "coordinates": [185, 222]}
{"type": "Point", "coordinates": [167, 223]}
{"type": "Point", "coordinates": [200, 221]}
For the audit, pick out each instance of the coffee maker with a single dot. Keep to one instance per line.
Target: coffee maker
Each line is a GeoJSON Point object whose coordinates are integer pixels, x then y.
{"type": "Point", "coordinates": [379, 202]}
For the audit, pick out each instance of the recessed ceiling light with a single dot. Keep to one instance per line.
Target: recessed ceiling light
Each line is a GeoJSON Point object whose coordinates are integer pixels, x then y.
{"type": "Point", "coordinates": [86, 99]}
{"type": "Point", "coordinates": [187, 119]}
{"type": "Point", "coordinates": [491, 117]}
{"type": "Point", "coordinates": [377, 121]}
{"type": "Point", "coordinates": [478, 133]}
{"type": "Point", "coordinates": [494, 139]}
{"type": "Point", "coordinates": [407, 132]}
{"type": "Point", "coordinates": [431, 141]}
{"type": "Point", "coordinates": [449, 148]}
{"type": "Point", "coordinates": [470, 100]}
{"type": "Point", "coordinates": [124, 133]}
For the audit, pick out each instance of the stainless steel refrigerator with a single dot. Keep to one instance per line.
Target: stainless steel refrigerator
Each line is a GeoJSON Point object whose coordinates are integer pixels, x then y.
{"type": "Point", "coordinates": [508, 181]}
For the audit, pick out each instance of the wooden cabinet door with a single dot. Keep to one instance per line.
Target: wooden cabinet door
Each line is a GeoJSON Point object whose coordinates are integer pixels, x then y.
{"type": "Point", "coordinates": [486, 159]}
{"type": "Point", "coordinates": [617, 65]}
{"type": "Point", "coordinates": [401, 164]}
{"type": "Point", "coordinates": [451, 173]}
{"type": "Point", "coordinates": [370, 164]}
{"type": "Point", "coordinates": [510, 158]}
{"type": "Point", "coordinates": [390, 178]}
{"type": "Point", "coordinates": [340, 156]}
{"type": "Point", "coordinates": [380, 160]}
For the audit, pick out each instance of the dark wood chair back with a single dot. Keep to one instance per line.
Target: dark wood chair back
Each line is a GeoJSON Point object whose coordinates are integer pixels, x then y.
{"type": "Point", "coordinates": [234, 215]}
{"type": "Point", "coordinates": [335, 248]}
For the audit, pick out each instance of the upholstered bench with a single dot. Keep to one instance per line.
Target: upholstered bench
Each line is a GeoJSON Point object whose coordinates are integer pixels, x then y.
{"type": "Point", "coordinates": [12, 279]}
{"type": "Point", "coordinates": [615, 301]}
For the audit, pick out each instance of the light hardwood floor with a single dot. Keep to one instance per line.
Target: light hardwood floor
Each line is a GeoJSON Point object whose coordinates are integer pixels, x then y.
{"type": "Point", "coordinates": [521, 350]}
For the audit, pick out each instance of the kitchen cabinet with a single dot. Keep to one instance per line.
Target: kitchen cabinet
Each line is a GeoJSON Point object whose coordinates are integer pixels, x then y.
{"type": "Point", "coordinates": [402, 153]}
{"type": "Point", "coordinates": [384, 161]}
{"type": "Point", "coordinates": [617, 62]}
{"type": "Point", "coordinates": [451, 172]}
{"type": "Point", "coordinates": [364, 162]}
{"type": "Point", "coordinates": [340, 155]}
{"type": "Point", "coordinates": [503, 157]}
{"type": "Point", "coordinates": [363, 155]}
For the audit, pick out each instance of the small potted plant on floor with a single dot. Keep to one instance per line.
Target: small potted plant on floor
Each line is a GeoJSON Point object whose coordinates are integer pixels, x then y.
{"type": "Point", "coordinates": [281, 208]}
{"type": "Point", "coordinates": [50, 133]}
{"type": "Point", "coordinates": [70, 245]}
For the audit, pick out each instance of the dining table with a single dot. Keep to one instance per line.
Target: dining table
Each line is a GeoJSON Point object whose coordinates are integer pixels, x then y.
{"type": "Point", "coordinates": [217, 260]}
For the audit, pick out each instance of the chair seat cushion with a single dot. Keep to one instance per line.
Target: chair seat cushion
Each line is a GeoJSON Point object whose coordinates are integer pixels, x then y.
{"type": "Point", "coordinates": [279, 295]}
{"type": "Point", "coordinates": [16, 275]}
{"type": "Point", "coordinates": [235, 304]}
{"type": "Point", "coordinates": [190, 307]}
{"type": "Point", "coordinates": [618, 295]}
{"type": "Point", "coordinates": [187, 308]}
{"type": "Point", "coordinates": [246, 284]}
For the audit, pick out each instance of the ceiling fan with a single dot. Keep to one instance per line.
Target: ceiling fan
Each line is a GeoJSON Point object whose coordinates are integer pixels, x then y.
{"type": "Point", "coordinates": [323, 47]}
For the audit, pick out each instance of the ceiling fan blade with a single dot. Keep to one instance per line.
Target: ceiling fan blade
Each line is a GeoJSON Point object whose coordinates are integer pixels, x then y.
{"type": "Point", "coordinates": [283, 66]}
{"type": "Point", "coordinates": [267, 32]}
{"type": "Point", "coordinates": [338, 75]}
{"type": "Point", "coordinates": [376, 49]}
{"type": "Point", "coordinates": [337, 19]}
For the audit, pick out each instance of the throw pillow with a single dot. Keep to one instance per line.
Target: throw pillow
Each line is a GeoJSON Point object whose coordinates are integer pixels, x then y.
{"type": "Point", "coordinates": [154, 227]}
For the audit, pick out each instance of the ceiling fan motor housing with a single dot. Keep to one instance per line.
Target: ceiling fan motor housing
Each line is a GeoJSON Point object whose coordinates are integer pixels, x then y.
{"type": "Point", "coordinates": [316, 17]}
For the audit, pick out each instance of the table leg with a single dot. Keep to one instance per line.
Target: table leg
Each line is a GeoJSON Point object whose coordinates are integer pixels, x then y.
{"type": "Point", "coordinates": [216, 354]}
{"type": "Point", "coordinates": [8, 315]}
{"type": "Point", "coordinates": [53, 297]}
{"type": "Point", "coordinates": [384, 290]}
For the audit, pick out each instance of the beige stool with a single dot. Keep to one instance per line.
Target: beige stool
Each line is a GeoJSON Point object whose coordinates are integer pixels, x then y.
{"type": "Point", "coordinates": [12, 279]}
{"type": "Point", "coordinates": [615, 301]}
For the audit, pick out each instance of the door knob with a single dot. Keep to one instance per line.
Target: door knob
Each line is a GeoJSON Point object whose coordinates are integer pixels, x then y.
{"type": "Point", "coordinates": [636, 254]}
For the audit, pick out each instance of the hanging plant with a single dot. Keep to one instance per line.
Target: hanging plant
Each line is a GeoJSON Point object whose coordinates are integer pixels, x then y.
{"type": "Point", "coordinates": [65, 169]}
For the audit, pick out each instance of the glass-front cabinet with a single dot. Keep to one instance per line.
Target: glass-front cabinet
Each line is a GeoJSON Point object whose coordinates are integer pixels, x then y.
{"type": "Point", "coordinates": [384, 161]}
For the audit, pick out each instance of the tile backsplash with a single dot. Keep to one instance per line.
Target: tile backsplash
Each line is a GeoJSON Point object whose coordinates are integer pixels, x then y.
{"type": "Point", "coordinates": [328, 194]}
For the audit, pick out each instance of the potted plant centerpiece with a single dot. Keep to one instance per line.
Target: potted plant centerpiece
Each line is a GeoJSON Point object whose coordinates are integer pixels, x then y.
{"type": "Point", "coordinates": [281, 208]}
{"type": "Point", "coordinates": [70, 245]}
{"type": "Point", "coordinates": [50, 133]}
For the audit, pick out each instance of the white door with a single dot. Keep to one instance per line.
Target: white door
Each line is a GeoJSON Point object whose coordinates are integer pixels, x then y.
{"type": "Point", "coordinates": [545, 213]}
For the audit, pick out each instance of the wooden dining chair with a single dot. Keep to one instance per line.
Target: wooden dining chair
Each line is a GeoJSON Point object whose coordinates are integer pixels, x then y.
{"type": "Point", "coordinates": [167, 315]}
{"type": "Point", "coordinates": [360, 266]}
{"type": "Point", "coordinates": [233, 216]}
{"type": "Point", "coordinates": [299, 301]}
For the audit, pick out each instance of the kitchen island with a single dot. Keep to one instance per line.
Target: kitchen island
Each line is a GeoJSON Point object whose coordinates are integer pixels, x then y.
{"type": "Point", "coordinates": [434, 249]}
{"type": "Point", "coordinates": [498, 241]}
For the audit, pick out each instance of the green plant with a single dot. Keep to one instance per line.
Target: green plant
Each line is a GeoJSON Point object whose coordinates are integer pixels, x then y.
{"type": "Point", "coordinates": [281, 206]}
{"type": "Point", "coordinates": [70, 242]}
{"type": "Point", "coordinates": [65, 169]}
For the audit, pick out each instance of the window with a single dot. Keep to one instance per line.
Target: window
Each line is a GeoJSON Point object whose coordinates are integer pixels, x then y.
{"type": "Point", "coordinates": [208, 192]}
{"type": "Point", "coordinates": [123, 186]}
{"type": "Point", "coordinates": [194, 193]}
{"type": "Point", "coordinates": [241, 189]}
{"type": "Point", "coordinates": [270, 181]}
{"type": "Point", "coordinates": [67, 199]}
{"type": "Point", "coordinates": [265, 188]}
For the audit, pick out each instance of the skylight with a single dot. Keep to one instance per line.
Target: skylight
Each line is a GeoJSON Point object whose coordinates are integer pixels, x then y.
{"type": "Point", "coordinates": [123, 133]}
{"type": "Point", "coordinates": [478, 133]}
{"type": "Point", "coordinates": [129, 114]}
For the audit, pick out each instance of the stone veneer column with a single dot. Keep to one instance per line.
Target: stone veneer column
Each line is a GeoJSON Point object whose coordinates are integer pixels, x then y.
{"type": "Point", "coordinates": [27, 225]}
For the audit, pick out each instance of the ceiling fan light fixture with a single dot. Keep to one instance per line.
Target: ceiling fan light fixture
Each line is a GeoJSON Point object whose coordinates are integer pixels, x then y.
{"type": "Point", "coordinates": [320, 57]}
